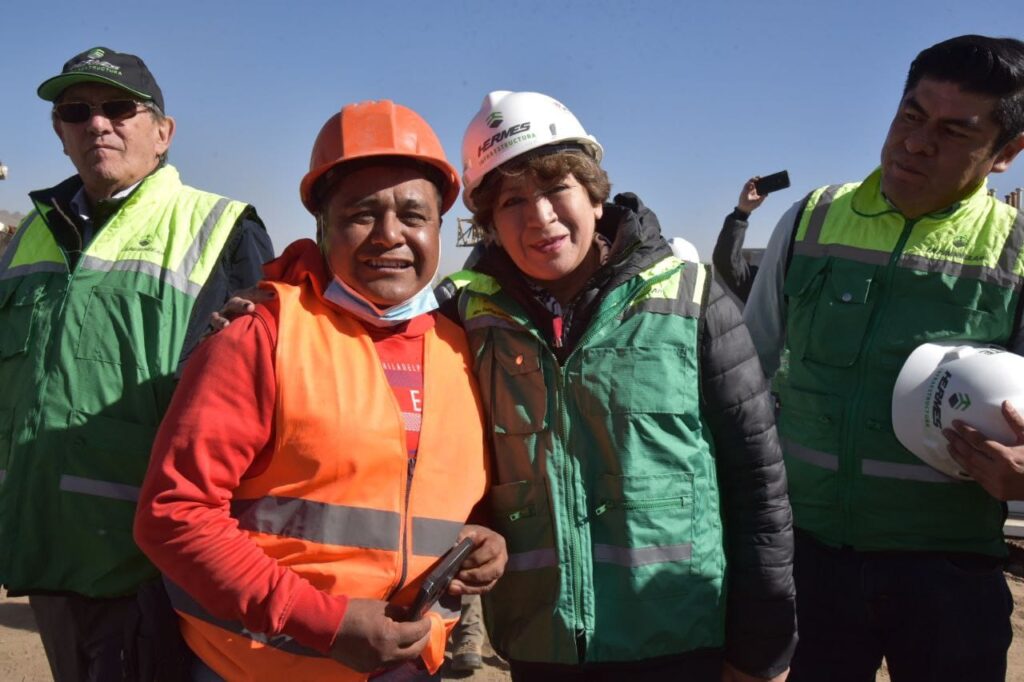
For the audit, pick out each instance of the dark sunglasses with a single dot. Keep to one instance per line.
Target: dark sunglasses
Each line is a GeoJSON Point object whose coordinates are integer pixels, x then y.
{"type": "Point", "coordinates": [80, 112]}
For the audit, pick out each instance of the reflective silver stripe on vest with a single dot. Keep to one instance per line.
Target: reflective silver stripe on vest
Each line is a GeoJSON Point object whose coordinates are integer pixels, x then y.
{"type": "Point", "coordinates": [328, 524]}
{"type": "Point", "coordinates": [31, 269]}
{"type": "Point", "coordinates": [641, 556]}
{"type": "Point", "coordinates": [8, 255]}
{"type": "Point", "coordinates": [433, 537]}
{"type": "Point", "coordinates": [528, 561]}
{"type": "Point", "coordinates": [179, 279]}
{"type": "Point", "coordinates": [181, 601]}
{"type": "Point", "coordinates": [1014, 243]}
{"type": "Point", "coordinates": [91, 486]}
{"type": "Point", "coordinates": [817, 219]}
{"type": "Point", "coordinates": [1000, 278]}
{"type": "Point", "coordinates": [905, 472]}
{"type": "Point", "coordinates": [195, 250]}
{"type": "Point", "coordinates": [824, 460]}
{"type": "Point", "coordinates": [175, 279]}
{"type": "Point", "coordinates": [854, 253]}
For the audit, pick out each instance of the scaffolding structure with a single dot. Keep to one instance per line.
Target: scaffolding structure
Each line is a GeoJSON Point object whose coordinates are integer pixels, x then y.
{"type": "Point", "coordinates": [469, 233]}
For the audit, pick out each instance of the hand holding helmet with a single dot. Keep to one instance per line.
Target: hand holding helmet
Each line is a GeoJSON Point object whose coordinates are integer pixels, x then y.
{"type": "Point", "coordinates": [950, 409]}
{"type": "Point", "coordinates": [997, 467]}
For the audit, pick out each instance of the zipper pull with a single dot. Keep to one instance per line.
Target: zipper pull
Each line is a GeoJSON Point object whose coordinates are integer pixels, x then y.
{"type": "Point", "coordinates": [556, 330]}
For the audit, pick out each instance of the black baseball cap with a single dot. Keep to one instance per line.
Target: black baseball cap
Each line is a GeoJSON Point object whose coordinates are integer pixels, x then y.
{"type": "Point", "coordinates": [103, 65]}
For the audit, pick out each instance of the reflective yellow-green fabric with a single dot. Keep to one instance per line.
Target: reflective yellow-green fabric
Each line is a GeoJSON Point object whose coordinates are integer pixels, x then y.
{"type": "Point", "coordinates": [864, 288]}
{"type": "Point", "coordinates": [87, 363]}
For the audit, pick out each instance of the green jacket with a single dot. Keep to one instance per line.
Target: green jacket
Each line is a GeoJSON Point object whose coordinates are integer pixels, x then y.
{"type": "Point", "coordinates": [607, 475]}
{"type": "Point", "coordinates": [865, 287]}
{"type": "Point", "coordinates": [87, 359]}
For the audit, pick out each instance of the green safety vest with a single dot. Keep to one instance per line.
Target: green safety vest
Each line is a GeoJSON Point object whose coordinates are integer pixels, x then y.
{"type": "Point", "coordinates": [87, 362]}
{"type": "Point", "coordinates": [865, 287]}
{"type": "Point", "coordinates": [605, 483]}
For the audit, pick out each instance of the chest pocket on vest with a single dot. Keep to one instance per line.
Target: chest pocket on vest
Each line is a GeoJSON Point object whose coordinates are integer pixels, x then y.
{"type": "Point", "coordinates": [124, 327]}
{"type": "Point", "coordinates": [519, 395]}
{"type": "Point", "coordinates": [833, 306]}
{"type": "Point", "coordinates": [639, 381]}
{"type": "Point", "coordinates": [16, 321]}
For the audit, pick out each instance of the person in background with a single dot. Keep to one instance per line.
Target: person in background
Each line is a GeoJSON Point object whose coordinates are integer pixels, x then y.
{"type": "Point", "coordinates": [105, 288]}
{"type": "Point", "coordinates": [6, 235]}
{"type": "Point", "coordinates": [893, 558]}
{"type": "Point", "coordinates": [727, 257]}
{"type": "Point", "coordinates": [468, 636]}
{"type": "Point", "coordinates": [325, 450]}
{"type": "Point", "coordinates": [637, 476]}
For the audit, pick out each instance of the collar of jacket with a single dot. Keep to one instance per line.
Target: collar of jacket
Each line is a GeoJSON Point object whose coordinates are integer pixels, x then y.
{"type": "Point", "coordinates": [65, 191]}
{"type": "Point", "coordinates": [869, 201]}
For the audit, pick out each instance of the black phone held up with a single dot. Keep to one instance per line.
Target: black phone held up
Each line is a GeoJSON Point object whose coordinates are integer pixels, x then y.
{"type": "Point", "coordinates": [436, 583]}
{"type": "Point", "coordinates": [772, 183]}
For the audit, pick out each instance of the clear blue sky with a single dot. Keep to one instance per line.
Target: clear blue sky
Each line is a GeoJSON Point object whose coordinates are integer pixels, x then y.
{"type": "Point", "coordinates": [689, 99]}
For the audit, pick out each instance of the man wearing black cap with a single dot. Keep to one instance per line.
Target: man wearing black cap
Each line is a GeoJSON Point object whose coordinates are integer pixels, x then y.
{"type": "Point", "coordinates": [106, 287]}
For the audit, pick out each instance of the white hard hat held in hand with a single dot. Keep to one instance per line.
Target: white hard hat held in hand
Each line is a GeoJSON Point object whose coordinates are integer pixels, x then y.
{"type": "Point", "coordinates": [943, 382]}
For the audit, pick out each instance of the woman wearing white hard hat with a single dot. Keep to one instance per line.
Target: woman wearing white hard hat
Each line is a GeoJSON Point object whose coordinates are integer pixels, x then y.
{"type": "Point", "coordinates": [635, 453]}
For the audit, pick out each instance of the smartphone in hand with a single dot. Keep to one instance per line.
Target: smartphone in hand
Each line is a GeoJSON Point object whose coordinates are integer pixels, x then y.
{"type": "Point", "coordinates": [436, 583]}
{"type": "Point", "coordinates": [772, 183]}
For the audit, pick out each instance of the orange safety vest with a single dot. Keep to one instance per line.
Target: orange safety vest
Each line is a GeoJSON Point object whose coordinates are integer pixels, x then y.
{"type": "Point", "coordinates": [340, 502]}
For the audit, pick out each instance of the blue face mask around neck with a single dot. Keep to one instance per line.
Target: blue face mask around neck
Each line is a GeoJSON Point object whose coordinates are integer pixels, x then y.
{"type": "Point", "coordinates": [347, 298]}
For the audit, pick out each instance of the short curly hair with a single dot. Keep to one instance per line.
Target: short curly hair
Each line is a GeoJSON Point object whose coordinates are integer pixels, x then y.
{"type": "Point", "coordinates": [545, 169]}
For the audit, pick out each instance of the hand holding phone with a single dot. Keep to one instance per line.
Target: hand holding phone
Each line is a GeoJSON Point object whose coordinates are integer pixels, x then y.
{"type": "Point", "coordinates": [436, 582]}
{"type": "Point", "coordinates": [772, 183]}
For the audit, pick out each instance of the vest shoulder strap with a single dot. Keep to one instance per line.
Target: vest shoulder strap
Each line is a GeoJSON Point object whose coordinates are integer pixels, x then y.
{"type": "Point", "coordinates": [816, 220]}
{"type": "Point", "coordinates": [672, 289]}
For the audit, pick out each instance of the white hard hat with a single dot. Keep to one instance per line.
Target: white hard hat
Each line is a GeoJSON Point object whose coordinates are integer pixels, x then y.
{"type": "Point", "coordinates": [941, 382]}
{"type": "Point", "coordinates": [510, 124]}
{"type": "Point", "coordinates": [684, 250]}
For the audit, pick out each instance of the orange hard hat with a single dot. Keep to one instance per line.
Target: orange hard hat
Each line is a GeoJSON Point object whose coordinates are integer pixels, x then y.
{"type": "Point", "coordinates": [377, 128]}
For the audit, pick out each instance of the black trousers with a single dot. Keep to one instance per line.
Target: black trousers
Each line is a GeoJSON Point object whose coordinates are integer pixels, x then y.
{"type": "Point", "coordinates": [135, 638]}
{"type": "Point", "coordinates": [934, 617]}
{"type": "Point", "coordinates": [84, 637]}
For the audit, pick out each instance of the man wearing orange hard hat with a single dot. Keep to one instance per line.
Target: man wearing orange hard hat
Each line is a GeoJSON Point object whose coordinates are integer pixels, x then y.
{"type": "Point", "coordinates": [325, 450]}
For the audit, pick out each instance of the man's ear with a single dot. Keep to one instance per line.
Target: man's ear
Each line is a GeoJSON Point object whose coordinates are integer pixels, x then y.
{"type": "Point", "coordinates": [165, 133]}
{"type": "Point", "coordinates": [1006, 155]}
